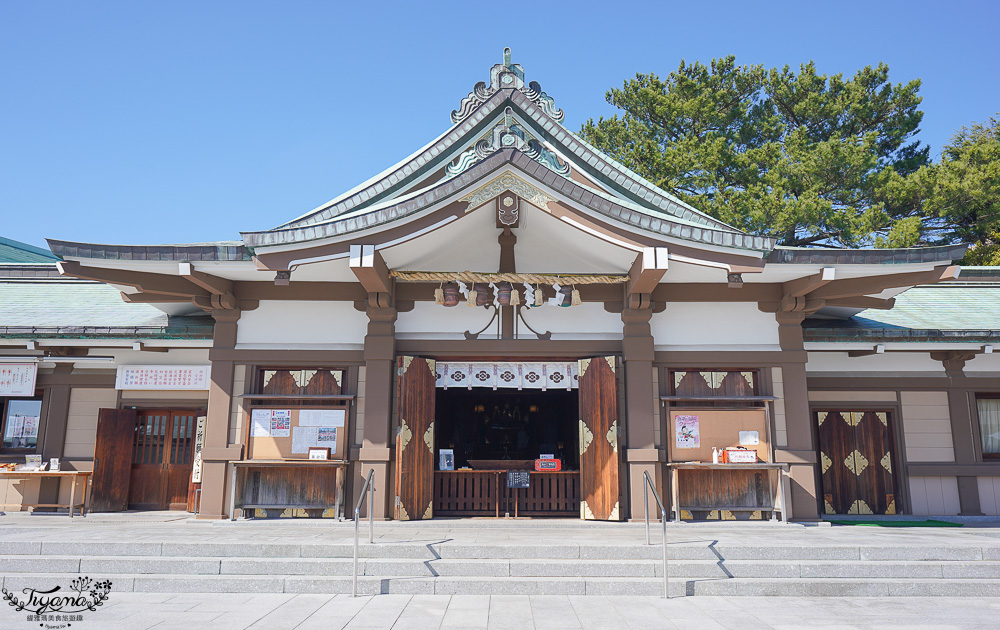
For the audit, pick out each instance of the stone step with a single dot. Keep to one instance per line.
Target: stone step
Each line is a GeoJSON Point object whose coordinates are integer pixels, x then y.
{"type": "Point", "coordinates": [990, 550]}
{"type": "Point", "coordinates": [528, 568]}
{"type": "Point", "coordinates": [808, 587]}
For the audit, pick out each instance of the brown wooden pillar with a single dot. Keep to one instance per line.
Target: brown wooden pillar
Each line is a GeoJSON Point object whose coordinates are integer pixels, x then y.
{"type": "Point", "coordinates": [376, 452]}
{"type": "Point", "coordinates": [641, 409]}
{"type": "Point", "coordinates": [56, 415]}
{"type": "Point", "coordinates": [800, 452]}
{"type": "Point", "coordinates": [960, 401]}
{"type": "Point", "coordinates": [216, 453]}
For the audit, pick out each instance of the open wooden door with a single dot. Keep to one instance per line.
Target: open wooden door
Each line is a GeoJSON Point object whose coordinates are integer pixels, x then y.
{"type": "Point", "coordinates": [415, 438]}
{"type": "Point", "coordinates": [599, 453]}
{"type": "Point", "coordinates": [112, 460]}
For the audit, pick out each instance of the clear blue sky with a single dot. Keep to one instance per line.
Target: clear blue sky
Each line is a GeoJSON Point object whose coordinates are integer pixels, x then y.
{"type": "Point", "coordinates": [186, 121]}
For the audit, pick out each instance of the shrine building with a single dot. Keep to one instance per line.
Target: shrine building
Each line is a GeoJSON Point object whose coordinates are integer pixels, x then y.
{"type": "Point", "coordinates": [505, 323]}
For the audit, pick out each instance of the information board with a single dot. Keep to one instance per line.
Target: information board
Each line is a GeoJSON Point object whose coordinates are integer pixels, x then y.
{"type": "Point", "coordinates": [518, 478]}
{"type": "Point", "coordinates": [277, 433]}
{"type": "Point", "coordinates": [163, 377]}
{"type": "Point", "coordinates": [18, 379]}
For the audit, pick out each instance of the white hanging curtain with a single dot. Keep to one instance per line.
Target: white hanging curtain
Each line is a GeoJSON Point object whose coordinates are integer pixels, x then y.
{"type": "Point", "coordinates": [989, 424]}
{"type": "Point", "coordinates": [552, 375]}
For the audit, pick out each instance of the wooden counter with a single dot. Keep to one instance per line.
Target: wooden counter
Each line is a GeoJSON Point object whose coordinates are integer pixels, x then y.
{"type": "Point", "coordinates": [282, 484]}
{"type": "Point", "coordinates": [485, 493]}
{"type": "Point", "coordinates": [73, 475]}
{"type": "Point", "coordinates": [704, 487]}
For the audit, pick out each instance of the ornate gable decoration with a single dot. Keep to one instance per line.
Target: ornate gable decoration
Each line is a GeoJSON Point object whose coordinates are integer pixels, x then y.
{"type": "Point", "coordinates": [508, 135]}
{"type": "Point", "coordinates": [506, 182]}
{"type": "Point", "coordinates": [506, 75]}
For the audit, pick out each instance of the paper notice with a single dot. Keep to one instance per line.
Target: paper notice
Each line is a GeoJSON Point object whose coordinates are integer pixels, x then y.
{"type": "Point", "coordinates": [687, 432]}
{"type": "Point", "coordinates": [281, 426]}
{"type": "Point", "coordinates": [749, 438]}
{"type": "Point", "coordinates": [327, 434]}
{"type": "Point", "coordinates": [303, 438]}
{"type": "Point", "coordinates": [260, 423]}
{"type": "Point", "coordinates": [322, 417]}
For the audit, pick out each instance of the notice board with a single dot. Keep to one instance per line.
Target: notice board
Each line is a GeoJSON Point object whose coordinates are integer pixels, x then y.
{"type": "Point", "coordinates": [287, 433]}
{"type": "Point", "coordinates": [693, 432]}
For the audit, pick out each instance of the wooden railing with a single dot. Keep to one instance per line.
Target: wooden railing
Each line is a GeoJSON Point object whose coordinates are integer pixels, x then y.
{"type": "Point", "coordinates": [485, 493]}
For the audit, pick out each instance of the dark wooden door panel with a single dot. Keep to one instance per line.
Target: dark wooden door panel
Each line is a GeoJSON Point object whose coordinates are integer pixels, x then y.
{"type": "Point", "coordinates": [162, 456]}
{"type": "Point", "coordinates": [112, 460]}
{"type": "Point", "coordinates": [856, 462]}
{"type": "Point", "coordinates": [415, 439]}
{"type": "Point", "coordinates": [837, 442]}
{"type": "Point", "coordinates": [179, 461]}
{"type": "Point", "coordinates": [599, 460]}
{"type": "Point", "coordinates": [875, 482]}
{"type": "Point", "coordinates": [150, 447]}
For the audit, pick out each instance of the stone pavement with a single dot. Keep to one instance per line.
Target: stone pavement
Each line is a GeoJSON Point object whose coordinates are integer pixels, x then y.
{"type": "Point", "coordinates": [231, 611]}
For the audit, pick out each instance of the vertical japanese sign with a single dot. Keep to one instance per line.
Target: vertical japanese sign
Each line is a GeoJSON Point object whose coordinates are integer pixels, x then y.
{"type": "Point", "coordinates": [18, 379]}
{"type": "Point", "coordinates": [199, 443]}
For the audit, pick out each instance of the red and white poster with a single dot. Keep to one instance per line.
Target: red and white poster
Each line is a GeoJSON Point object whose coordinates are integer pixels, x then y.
{"type": "Point", "coordinates": [182, 377]}
{"type": "Point", "coordinates": [18, 379]}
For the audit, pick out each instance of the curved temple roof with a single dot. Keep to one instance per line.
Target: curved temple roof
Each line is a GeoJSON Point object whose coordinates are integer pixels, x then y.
{"type": "Point", "coordinates": [506, 124]}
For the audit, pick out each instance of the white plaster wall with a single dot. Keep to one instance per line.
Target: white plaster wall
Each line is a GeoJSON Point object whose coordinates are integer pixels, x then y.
{"type": "Point", "coordinates": [730, 325]}
{"type": "Point", "coordinates": [934, 496]}
{"type": "Point", "coordinates": [883, 364]}
{"type": "Point", "coordinates": [123, 356]}
{"type": "Point", "coordinates": [587, 321]}
{"type": "Point", "coordinates": [989, 495]}
{"type": "Point", "coordinates": [984, 363]}
{"type": "Point", "coordinates": [85, 404]}
{"type": "Point", "coordinates": [927, 427]}
{"type": "Point", "coordinates": [433, 321]}
{"type": "Point", "coordinates": [284, 323]}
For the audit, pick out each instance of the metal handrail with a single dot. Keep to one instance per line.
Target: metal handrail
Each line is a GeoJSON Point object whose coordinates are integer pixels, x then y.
{"type": "Point", "coordinates": [646, 487]}
{"type": "Point", "coordinates": [369, 487]}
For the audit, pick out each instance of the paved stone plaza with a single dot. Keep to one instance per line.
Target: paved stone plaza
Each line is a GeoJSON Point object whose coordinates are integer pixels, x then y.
{"type": "Point", "coordinates": [232, 611]}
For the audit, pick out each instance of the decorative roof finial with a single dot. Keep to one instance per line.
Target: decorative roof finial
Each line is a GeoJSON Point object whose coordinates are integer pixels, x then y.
{"type": "Point", "coordinates": [506, 75]}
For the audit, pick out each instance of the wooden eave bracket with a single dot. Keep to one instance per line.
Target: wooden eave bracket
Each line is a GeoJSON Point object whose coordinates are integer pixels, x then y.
{"type": "Point", "coordinates": [370, 269]}
{"type": "Point", "coordinates": [645, 274]}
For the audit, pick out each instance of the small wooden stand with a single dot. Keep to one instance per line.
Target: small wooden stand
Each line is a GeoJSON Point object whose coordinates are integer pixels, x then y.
{"type": "Point", "coordinates": [74, 476]}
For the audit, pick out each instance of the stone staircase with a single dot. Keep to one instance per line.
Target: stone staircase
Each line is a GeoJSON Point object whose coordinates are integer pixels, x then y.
{"type": "Point", "coordinates": [448, 567]}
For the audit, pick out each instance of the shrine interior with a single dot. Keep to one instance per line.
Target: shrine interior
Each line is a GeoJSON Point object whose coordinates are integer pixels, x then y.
{"type": "Point", "coordinates": [487, 426]}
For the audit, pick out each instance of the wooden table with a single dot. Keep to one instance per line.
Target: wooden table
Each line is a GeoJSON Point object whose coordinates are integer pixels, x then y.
{"type": "Point", "coordinates": [718, 491]}
{"type": "Point", "coordinates": [74, 476]}
{"type": "Point", "coordinates": [286, 484]}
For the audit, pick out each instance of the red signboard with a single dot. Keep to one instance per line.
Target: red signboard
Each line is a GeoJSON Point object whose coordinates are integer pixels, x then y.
{"type": "Point", "coordinates": [548, 465]}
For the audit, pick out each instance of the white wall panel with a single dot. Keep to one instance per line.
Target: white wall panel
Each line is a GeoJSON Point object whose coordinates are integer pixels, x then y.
{"type": "Point", "coordinates": [989, 495]}
{"type": "Point", "coordinates": [927, 427]}
{"type": "Point", "coordinates": [280, 322]}
{"type": "Point", "coordinates": [883, 364]}
{"type": "Point", "coordinates": [934, 496]}
{"type": "Point", "coordinates": [714, 324]}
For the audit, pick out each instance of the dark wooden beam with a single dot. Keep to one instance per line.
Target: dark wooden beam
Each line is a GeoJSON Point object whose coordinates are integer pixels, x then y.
{"type": "Point", "coordinates": [212, 284]}
{"type": "Point", "coordinates": [871, 285]}
{"type": "Point", "coordinates": [141, 280]}
{"type": "Point", "coordinates": [863, 302]}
